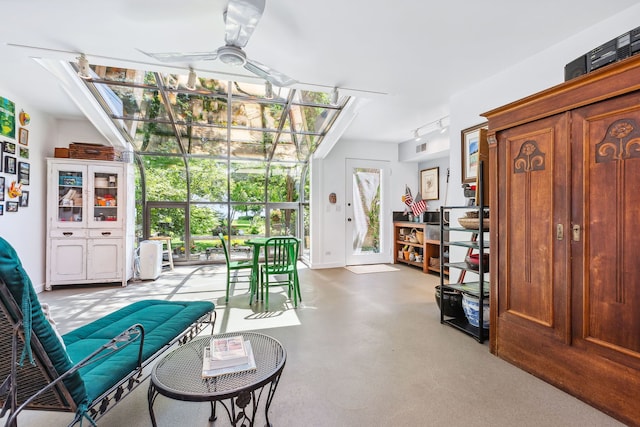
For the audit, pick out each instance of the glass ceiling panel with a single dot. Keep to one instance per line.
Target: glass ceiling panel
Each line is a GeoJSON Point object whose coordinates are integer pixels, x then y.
{"type": "Point", "coordinates": [256, 115]}
{"type": "Point", "coordinates": [155, 137]}
{"type": "Point", "coordinates": [138, 103]}
{"type": "Point", "coordinates": [194, 108]}
{"type": "Point", "coordinates": [252, 90]}
{"type": "Point", "coordinates": [311, 119]}
{"type": "Point", "coordinates": [204, 140]}
{"type": "Point", "coordinates": [257, 149]}
{"type": "Point", "coordinates": [124, 75]}
{"type": "Point", "coordinates": [210, 122]}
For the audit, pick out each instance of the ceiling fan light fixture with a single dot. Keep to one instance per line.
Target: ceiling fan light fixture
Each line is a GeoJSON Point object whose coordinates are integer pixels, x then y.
{"type": "Point", "coordinates": [232, 55]}
{"type": "Point", "coordinates": [83, 67]}
{"type": "Point", "coordinates": [416, 135]}
{"type": "Point", "coordinates": [191, 81]}
{"type": "Point", "coordinates": [268, 90]}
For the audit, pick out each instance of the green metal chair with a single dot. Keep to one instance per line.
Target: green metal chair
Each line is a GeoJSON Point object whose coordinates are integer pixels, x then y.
{"type": "Point", "coordinates": [236, 266]}
{"type": "Point", "coordinates": [280, 268]}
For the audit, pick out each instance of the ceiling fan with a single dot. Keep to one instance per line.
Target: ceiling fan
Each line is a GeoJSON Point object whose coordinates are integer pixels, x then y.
{"type": "Point", "coordinates": [240, 18]}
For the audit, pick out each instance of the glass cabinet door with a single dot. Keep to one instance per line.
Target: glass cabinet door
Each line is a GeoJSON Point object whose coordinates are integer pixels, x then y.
{"type": "Point", "coordinates": [70, 181]}
{"type": "Point", "coordinates": [106, 197]}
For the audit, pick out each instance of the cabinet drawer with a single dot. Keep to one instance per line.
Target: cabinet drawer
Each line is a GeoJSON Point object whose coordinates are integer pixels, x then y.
{"type": "Point", "coordinates": [105, 233]}
{"type": "Point", "coordinates": [69, 233]}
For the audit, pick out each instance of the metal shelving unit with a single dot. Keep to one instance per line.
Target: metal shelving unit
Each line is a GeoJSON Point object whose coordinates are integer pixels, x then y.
{"type": "Point", "coordinates": [477, 243]}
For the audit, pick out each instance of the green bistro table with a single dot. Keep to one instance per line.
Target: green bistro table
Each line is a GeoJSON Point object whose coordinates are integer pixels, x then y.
{"type": "Point", "coordinates": [257, 243]}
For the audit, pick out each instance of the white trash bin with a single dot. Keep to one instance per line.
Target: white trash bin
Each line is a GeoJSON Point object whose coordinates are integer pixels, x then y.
{"type": "Point", "coordinates": [150, 259]}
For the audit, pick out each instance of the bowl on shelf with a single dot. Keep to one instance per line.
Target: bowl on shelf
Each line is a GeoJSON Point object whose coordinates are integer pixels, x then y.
{"type": "Point", "coordinates": [471, 308]}
{"type": "Point", "coordinates": [474, 223]}
{"type": "Point", "coordinates": [473, 261]}
{"type": "Point", "coordinates": [471, 220]}
{"type": "Point", "coordinates": [452, 305]}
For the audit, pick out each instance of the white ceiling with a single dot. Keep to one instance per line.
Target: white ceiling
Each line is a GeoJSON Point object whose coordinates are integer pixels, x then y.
{"type": "Point", "coordinates": [416, 54]}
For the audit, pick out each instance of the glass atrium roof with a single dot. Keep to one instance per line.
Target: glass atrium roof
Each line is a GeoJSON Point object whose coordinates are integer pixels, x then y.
{"type": "Point", "coordinates": [157, 114]}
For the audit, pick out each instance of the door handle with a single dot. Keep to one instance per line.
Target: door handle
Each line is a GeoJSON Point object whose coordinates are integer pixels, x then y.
{"type": "Point", "coordinates": [67, 233]}
{"type": "Point", "coordinates": [348, 219]}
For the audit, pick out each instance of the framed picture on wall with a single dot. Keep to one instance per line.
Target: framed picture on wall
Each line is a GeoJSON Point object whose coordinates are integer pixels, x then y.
{"type": "Point", "coordinates": [24, 199]}
{"type": "Point", "coordinates": [1, 209]}
{"type": "Point", "coordinates": [8, 147]}
{"type": "Point", "coordinates": [24, 169]}
{"type": "Point", "coordinates": [9, 164]}
{"type": "Point", "coordinates": [23, 136]}
{"type": "Point", "coordinates": [1, 189]}
{"type": "Point", "coordinates": [12, 206]}
{"type": "Point", "coordinates": [474, 139]}
{"type": "Point", "coordinates": [430, 184]}
{"type": "Point", "coordinates": [24, 152]}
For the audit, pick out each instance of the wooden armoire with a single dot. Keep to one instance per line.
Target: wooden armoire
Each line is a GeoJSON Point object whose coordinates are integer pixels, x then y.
{"type": "Point", "coordinates": [565, 236]}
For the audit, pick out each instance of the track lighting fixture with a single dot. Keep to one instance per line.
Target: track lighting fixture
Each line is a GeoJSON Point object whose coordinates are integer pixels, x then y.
{"type": "Point", "coordinates": [83, 67]}
{"type": "Point", "coordinates": [191, 81]}
{"type": "Point", "coordinates": [334, 96]}
{"type": "Point", "coordinates": [428, 128]}
{"type": "Point", "coordinates": [442, 127]}
{"type": "Point", "coordinates": [268, 90]}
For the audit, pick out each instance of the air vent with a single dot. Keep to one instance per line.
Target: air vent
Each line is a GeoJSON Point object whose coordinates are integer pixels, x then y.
{"type": "Point", "coordinates": [421, 147]}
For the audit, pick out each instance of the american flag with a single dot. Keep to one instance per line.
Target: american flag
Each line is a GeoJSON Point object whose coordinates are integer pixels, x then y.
{"type": "Point", "coordinates": [407, 198]}
{"type": "Point", "coordinates": [418, 206]}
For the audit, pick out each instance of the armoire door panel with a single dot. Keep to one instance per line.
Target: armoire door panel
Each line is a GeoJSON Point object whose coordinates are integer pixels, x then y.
{"type": "Point", "coordinates": [534, 183]}
{"type": "Point", "coordinates": [609, 292]}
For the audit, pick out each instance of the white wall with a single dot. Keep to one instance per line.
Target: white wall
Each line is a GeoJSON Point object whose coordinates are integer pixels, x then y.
{"type": "Point", "coordinates": [25, 229]}
{"type": "Point", "coordinates": [78, 131]}
{"type": "Point", "coordinates": [445, 189]}
{"type": "Point", "coordinates": [328, 176]}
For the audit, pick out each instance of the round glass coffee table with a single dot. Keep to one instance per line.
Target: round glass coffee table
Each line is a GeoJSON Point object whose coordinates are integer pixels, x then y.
{"type": "Point", "coordinates": [178, 375]}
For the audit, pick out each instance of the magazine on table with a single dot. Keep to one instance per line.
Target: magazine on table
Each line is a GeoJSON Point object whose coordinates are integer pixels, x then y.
{"type": "Point", "coordinates": [208, 371]}
{"type": "Point", "coordinates": [229, 351]}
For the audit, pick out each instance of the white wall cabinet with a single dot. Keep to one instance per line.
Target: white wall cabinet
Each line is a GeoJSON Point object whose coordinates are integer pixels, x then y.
{"type": "Point", "coordinates": [90, 216]}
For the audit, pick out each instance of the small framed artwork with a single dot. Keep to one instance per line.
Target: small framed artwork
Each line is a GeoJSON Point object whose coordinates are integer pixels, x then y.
{"type": "Point", "coordinates": [1, 189]}
{"type": "Point", "coordinates": [12, 206]}
{"type": "Point", "coordinates": [429, 184]}
{"type": "Point", "coordinates": [24, 199]}
{"type": "Point", "coordinates": [474, 139]}
{"type": "Point", "coordinates": [24, 152]}
{"type": "Point", "coordinates": [23, 136]}
{"type": "Point", "coordinates": [8, 147]}
{"type": "Point", "coordinates": [9, 164]}
{"type": "Point", "coordinates": [24, 170]}
{"type": "Point", "coordinates": [1, 209]}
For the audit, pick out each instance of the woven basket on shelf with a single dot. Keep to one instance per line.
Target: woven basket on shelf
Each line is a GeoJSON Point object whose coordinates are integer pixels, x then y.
{"type": "Point", "coordinates": [474, 223]}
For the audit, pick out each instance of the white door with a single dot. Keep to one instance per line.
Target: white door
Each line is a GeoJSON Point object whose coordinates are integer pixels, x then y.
{"type": "Point", "coordinates": [367, 218]}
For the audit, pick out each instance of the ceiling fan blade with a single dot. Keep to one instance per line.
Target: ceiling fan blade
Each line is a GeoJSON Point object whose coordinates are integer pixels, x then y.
{"type": "Point", "coordinates": [241, 18]}
{"type": "Point", "coordinates": [273, 76]}
{"type": "Point", "coordinates": [185, 57]}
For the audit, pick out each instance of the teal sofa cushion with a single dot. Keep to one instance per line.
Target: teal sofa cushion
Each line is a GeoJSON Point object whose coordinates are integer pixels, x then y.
{"type": "Point", "coordinates": [19, 284]}
{"type": "Point", "coordinates": [162, 321]}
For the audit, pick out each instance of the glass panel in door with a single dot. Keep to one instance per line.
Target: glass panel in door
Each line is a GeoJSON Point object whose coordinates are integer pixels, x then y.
{"type": "Point", "coordinates": [70, 180]}
{"type": "Point", "coordinates": [365, 243]}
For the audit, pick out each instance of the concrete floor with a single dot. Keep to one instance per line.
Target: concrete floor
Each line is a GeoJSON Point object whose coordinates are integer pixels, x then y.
{"type": "Point", "coordinates": [362, 350]}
